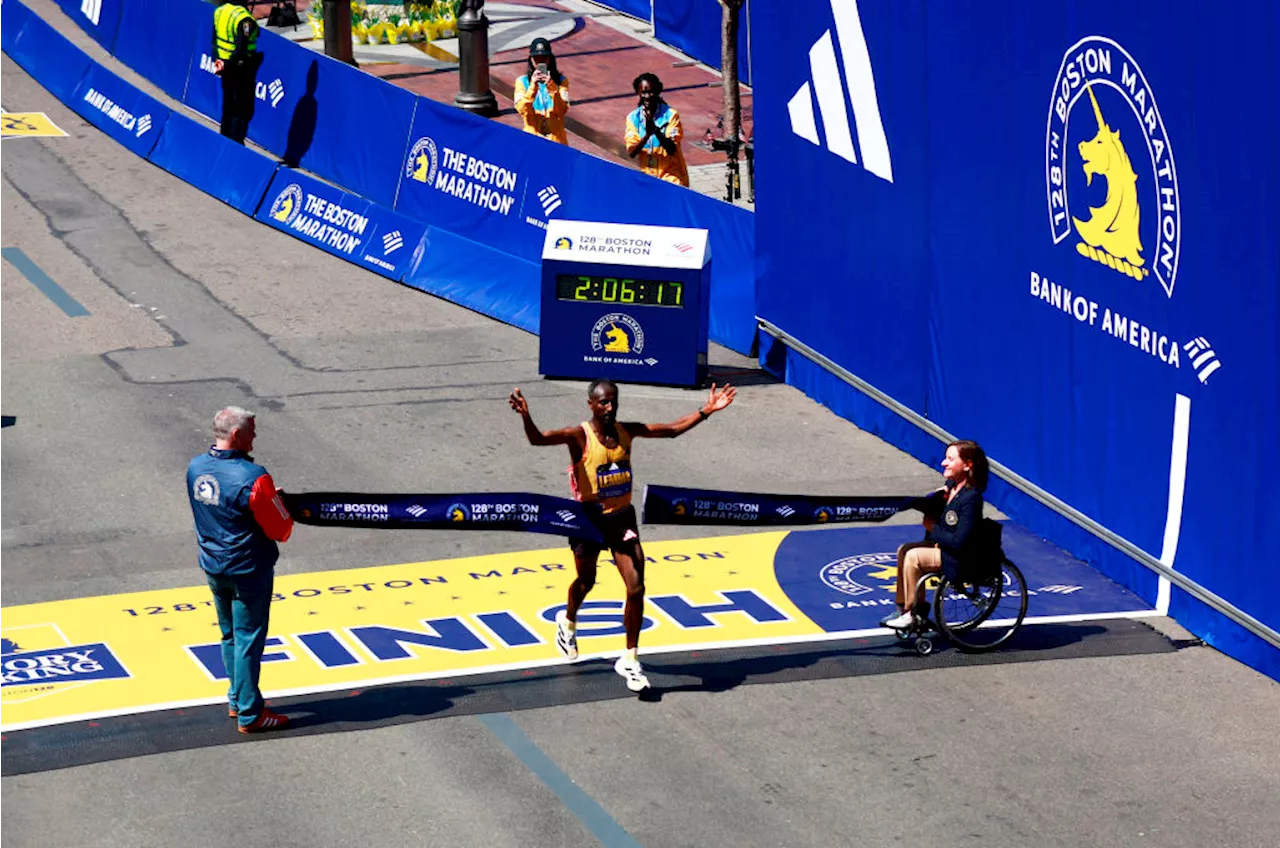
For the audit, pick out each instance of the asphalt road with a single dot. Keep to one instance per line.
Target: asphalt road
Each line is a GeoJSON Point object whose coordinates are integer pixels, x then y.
{"type": "Point", "coordinates": [364, 384]}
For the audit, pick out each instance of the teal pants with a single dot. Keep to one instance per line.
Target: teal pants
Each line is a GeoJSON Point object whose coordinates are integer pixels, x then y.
{"type": "Point", "coordinates": [243, 603]}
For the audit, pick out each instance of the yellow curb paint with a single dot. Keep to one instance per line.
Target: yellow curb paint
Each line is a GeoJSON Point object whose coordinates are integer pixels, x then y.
{"type": "Point", "coordinates": [121, 654]}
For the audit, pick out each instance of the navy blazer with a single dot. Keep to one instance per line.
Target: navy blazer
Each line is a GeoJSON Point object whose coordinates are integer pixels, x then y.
{"type": "Point", "coordinates": [956, 532]}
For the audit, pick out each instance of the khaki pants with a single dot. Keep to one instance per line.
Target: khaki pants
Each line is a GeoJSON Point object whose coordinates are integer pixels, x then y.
{"type": "Point", "coordinates": [915, 559]}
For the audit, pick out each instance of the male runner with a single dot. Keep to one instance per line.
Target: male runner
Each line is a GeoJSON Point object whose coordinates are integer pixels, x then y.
{"type": "Point", "coordinates": [600, 474]}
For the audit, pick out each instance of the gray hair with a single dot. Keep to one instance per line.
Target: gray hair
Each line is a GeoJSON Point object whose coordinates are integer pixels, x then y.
{"type": "Point", "coordinates": [229, 419]}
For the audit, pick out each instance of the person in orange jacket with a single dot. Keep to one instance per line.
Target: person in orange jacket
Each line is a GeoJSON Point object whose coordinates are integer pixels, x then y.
{"type": "Point", "coordinates": [542, 94]}
{"type": "Point", "coordinates": [654, 134]}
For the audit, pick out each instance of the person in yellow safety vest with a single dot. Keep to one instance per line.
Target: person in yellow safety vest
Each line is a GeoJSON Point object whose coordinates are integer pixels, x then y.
{"type": "Point", "coordinates": [654, 133]}
{"type": "Point", "coordinates": [542, 94]}
{"type": "Point", "coordinates": [236, 60]}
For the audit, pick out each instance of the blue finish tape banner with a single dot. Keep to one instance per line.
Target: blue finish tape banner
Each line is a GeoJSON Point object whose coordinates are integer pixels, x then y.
{"type": "Point", "coordinates": [99, 18]}
{"type": "Point", "coordinates": [156, 38]}
{"type": "Point", "coordinates": [484, 511]}
{"type": "Point", "coordinates": [1073, 264]}
{"type": "Point", "coordinates": [121, 111]}
{"type": "Point", "coordinates": [677, 505]}
{"type": "Point", "coordinates": [200, 156]}
{"type": "Point", "coordinates": [341, 223]}
{"type": "Point", "coordinates": [42, 51]}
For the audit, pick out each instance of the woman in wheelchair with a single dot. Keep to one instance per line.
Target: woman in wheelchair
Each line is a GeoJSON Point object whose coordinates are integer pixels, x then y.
{"type": "Point", "coordinates": [951, 519]}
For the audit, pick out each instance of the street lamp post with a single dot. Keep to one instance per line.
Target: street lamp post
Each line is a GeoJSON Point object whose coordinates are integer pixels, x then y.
{"type": "Point", "coordinates": [473, 61]}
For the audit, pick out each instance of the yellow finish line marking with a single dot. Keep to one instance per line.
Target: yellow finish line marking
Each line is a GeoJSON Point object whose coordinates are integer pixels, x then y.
{"type": "Point", "coordinates": [121, 654]}
{"type": "Point", "coordinates": [28, 125]}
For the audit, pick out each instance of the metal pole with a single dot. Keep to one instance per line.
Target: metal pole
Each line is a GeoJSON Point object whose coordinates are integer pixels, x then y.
{"type": "Point", "coordinates": [473, 62]}
{"type": "Point", "coordinates": [337, 30]}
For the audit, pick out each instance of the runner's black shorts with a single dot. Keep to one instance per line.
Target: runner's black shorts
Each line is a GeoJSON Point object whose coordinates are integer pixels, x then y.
{"type": "Point", "coordinates": [620, 530]}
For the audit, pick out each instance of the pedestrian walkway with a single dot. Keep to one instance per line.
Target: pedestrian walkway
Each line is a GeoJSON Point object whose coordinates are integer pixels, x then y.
{"type": "Point", "coordinates": [601, 51]}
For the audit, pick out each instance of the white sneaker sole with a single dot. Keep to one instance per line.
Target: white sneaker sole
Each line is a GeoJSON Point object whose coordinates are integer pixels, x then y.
{"type": "Point", "coordinates": [635, 682]}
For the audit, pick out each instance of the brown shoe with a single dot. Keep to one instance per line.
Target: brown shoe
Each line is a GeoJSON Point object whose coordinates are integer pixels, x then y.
{"type": "Point", "coordinates": [266, 720]}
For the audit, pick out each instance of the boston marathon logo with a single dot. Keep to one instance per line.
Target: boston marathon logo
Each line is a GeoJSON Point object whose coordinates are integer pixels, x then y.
{"type": "Point", "coordinates": [462, 175]}
{"type": "Point", "coordinates": [617, 333]}
{"type": "Point", "coordinates": [317, 219]}
{"type": "Point", "coordinates": [861, 574]}
{"type": "Point", "coordinates": [1117, 208]}
{"type": "Point", "coordinates": [1096, 192]}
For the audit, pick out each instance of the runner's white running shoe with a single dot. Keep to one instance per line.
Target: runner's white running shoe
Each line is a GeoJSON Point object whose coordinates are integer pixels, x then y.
{"type": "Point", "coordinates": [566, 639]}
{"type": "Point", "coordinates": [633, 672]}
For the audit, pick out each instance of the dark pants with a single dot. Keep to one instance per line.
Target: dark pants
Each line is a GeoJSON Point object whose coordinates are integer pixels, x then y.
{"type": "Point", "coordinates": [237, 100]}
{"type": "Point", "coordinates": [243, 603]}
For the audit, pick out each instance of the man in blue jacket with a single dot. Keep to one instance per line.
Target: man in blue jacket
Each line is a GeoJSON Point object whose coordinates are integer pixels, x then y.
{"type": "Point", "coordinates": [239, 517]}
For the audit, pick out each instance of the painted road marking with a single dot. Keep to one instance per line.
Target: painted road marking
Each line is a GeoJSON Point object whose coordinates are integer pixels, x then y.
{"type": "Point", "coordinates": [44, 282]}
{"type": "Point", "coordinates": [583, 806]}
{"type": "Point", "coordinates": [123, 654]}
{"type": "Point", "coordinates": [29, 125]}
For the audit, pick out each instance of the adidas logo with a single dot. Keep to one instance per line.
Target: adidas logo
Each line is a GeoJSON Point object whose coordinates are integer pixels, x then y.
{"type": "Point", "coordinates": [858, 88]}
{"type": "Point", "coordinates": [144, 124]}
{"type": "Point", "coordinates": [785, 511]}
{"type": "Point", "coordinates": [92, 10]}
{"type": "Point", "coordinates": [565, 515]}
{"type": "Point", "coordinates": [550, 199]}
{"type": "Point", "coordinates": [416, 511]}
{"type": "Point", "coordinates": [392, 242]}
{"type": "Point", "coordinates": [276, 91]}
{"type": "Point", "coordinates": [1203, 359]}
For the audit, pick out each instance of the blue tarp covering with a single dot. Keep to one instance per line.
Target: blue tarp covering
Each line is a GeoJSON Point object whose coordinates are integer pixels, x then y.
{"type": "Point", "coordinates": [1043, 227]}
{"type": "Point", "coordinates": [41, 51]}
{"type": "Point", "coordinates": [694, 27]}
{"type": "Point", "coordinates": [197, 154]}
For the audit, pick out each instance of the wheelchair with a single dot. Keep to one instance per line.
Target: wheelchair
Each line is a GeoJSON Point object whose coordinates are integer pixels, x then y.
{"type": "Point", "coordinates": [976, 612]}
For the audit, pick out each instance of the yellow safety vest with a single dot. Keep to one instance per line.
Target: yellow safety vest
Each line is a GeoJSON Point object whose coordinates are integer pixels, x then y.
{"type": "Point", "coordinates": [226, 20]}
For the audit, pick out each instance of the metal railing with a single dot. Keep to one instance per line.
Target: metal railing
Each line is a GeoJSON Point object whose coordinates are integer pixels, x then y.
{"type": "Point", "coordinates": [1059, 506]}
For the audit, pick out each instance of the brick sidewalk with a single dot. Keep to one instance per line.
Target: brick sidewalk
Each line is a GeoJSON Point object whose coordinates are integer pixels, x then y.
{"type": "Point", "coordinates": [601, 59]}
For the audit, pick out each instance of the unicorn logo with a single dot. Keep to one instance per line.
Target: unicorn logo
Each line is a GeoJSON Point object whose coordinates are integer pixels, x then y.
{"type": "Point", "coordinates": [1115, 234]}
{"type": "Point", "coordinates": [1110, 236]}
{"type": "Point", "coordinates": [618, 342]}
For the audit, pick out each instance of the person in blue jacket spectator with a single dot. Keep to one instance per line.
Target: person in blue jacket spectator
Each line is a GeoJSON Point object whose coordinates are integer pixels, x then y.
{"type": "Point", "coordinates": [950, 533]}
{"type": "Point", "coordinates": [239, 518]}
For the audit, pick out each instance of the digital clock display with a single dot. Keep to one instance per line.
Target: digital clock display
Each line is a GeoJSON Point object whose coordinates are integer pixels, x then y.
{"type": "Point", "coordinates": [620, 290]}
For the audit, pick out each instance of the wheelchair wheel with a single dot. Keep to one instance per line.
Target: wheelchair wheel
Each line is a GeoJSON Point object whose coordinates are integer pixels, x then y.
{"type": "Point", "coordinates": [982, 615]}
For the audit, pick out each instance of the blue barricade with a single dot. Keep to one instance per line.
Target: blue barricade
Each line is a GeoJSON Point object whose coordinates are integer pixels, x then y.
{"type": "Point", "coordinates": [42, 51]}
{"type": "Point", "coordinates": [118, 109]}
{"type": "Point", "coordinates": [99, 18]}
{"type": "Point", "coordinates": [478, 277]}
{"type": "Point", "coordinates": [341, 223]}
{"type": "Point", "coordinates": [280, 81]}
{"type": "Point", "coordinates": [198, 155]}
{"type": "Point", "coordinates": [642, 9]}
{"type": "Point", "coordinates": [315, 113]}
{"type": "Point", "coordinates": [693, 27]}
{"type": "Point", "coordinates": [156, 37]}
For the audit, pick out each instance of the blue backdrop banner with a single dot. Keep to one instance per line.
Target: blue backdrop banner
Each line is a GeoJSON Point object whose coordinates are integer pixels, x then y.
{"type": "Point", "coordinates": [118, 109]}
{"type": "Point", "coordinates": [694, 26]}
{"type": "Point", "coordinates": [99, 18]}
{"type": "Point", "coordinates": [232, 173]}
{"type": "Point", "coordinates": [1074, 264]}
{"type": "Point", "coordinates": [163, 56]}
{"type": "Point", "coordinates": [41, 51]}
{"type": "Point", "coordinates": [341, 223]}
{"type": "Point", "coordinates": [642, 9]}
